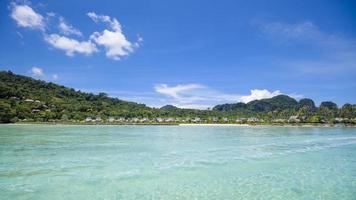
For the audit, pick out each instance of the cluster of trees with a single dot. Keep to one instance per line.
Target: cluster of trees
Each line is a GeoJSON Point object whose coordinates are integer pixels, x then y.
{"type": "Point", "coordinates": [284, 107]}
{"type": "Point", "coordinates": [27, 99]}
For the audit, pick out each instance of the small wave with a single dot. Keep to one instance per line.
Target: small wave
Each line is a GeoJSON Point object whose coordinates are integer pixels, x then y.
{"type": "Point", "coordinates": [220, 156]}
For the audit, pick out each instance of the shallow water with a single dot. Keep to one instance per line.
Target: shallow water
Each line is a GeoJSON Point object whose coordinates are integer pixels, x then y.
{"type": "Point", "coordinates": [176, 162]}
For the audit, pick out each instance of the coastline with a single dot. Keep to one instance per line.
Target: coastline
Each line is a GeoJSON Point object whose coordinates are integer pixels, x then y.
{"type": "Point", "coordinates": [306, 125]}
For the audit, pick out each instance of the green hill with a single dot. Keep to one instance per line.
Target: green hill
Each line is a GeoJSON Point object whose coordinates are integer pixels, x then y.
{"type": "Point", "coordinates": [26, 99]}
{"type": "Point", "coordinates": [280, 102]}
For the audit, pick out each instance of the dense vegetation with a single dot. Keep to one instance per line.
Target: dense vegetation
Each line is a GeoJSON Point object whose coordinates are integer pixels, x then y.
{"type": "Point", "coordinates": [26, 99]}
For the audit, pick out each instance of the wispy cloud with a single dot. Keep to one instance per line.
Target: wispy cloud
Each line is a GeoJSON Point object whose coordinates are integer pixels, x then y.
{"type": "Point", "coordinates": [38, 72]}
{"type": "Point", "coordinates": [177, 91]}
{"type": "Point", "coordinates": [336, 54]}
{"type": "Point", "coordinates": [55, 77]}
{"type": "Point", "coordinates": [304, 30]}
{"type": "Point", "coordinates": [201, 96]}
{"type": "Point", "coordinates": [68, 29]}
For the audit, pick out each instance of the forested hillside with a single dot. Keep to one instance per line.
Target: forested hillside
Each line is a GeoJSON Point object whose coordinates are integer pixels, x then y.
{"type": "Point", "coordinates": [26, 99]}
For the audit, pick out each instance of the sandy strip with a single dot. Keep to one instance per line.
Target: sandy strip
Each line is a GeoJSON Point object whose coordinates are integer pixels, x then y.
{"type": "Point", "coordinates": [214, 125]}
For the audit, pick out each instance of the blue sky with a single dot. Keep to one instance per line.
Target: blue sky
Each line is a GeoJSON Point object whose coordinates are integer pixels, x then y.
{"type": "Point", "coordinates": [192, 54]}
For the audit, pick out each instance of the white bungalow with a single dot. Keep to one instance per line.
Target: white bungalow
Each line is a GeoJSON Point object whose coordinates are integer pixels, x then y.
{"type": "Point", "coordinates": [279, 120]}
{"type": "Point", "coordinates": [241, 120]}
{"type": "Point", "coordinates": [159, 120]}
{"type": "Point", "coordinates": [169, 120]}
{"type": "Point", "coordinates": [253, 120]}
{"type": "Point", "coordinates": [88, 119]}
{"type": "Point", "coordinates": [29, 100]}
{"type": "Point", "coordinates": [111, 119]}
{"type": "Point", "coordinates": [339, 120]}
{"type": "Point", "coordinates": [98, 119]}
{"type": "Point", "coordinates": [196, 120]}
{"type": "Point", "coordinates": [145, 119]}
{"type": "Point", "coordinates": [121, 119]}
{"type": "Point", "coordinates": [294, 119]}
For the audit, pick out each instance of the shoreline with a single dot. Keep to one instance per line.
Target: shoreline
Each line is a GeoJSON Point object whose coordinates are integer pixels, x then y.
{"type": "Point", "coordinates": [188, 124]}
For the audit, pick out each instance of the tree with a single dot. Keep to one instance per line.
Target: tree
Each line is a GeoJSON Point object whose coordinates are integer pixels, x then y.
{"type": "Point", "coordinates": [348, 111]}
{"type": "Point", "coordinates": [328, 110]}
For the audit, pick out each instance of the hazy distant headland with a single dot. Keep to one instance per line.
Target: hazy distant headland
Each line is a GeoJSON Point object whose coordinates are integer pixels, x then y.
{"type": "Point", "coordinates": [24, 99]}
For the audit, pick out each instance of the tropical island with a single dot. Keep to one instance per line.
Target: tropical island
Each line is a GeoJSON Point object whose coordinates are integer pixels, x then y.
{"type": "Point", "coordinates": [27, 100]}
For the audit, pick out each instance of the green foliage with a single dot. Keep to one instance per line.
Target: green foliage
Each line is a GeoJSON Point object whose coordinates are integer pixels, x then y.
{"type": "Point", "coordinates": [348, 111]}
{"type": "Point", "coordinates": [26, 99]}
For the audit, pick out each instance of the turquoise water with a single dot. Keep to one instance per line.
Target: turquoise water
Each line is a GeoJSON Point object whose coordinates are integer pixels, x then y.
{"type": "Point", "coordinates": [176, 162]}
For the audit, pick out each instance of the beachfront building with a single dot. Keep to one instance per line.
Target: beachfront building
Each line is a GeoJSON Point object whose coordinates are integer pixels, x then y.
{"type": "Point", "coordinates": [241, 120]}
{"type": "Point", "coordinates": [111, 119]}
{"type": "Point", "coordinates": [279, 121]}
{"type": "Point", "coordinates": [294, 119]}
{"type": "Point", "coordinates": [88, 119]}
{"type": "Point", "coordinates": [196, 120]}
{"type": "Point", "coordinates": [253, 120]}
{"type": "Point", "coordinates": [159, 120]}
{"type": "Point", "coordinates": [170, 119]}
{"type": "Point", "coordinates": [29, 100]}
{"type": "Point", "coordinates": [144, 120]}
{"type": "Point", "coordinates": [120, 119]}
{"type": "Point", "coordinates": [98, 119]}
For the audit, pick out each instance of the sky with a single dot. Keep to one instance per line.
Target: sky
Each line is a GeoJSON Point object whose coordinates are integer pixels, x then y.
{"type": "Point", "coordinates": [191, 54]}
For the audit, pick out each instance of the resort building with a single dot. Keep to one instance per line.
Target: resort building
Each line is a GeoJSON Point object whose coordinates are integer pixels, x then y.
{"type": "Point", "coordinates": [98, 119]}
{"type": "Point", "coordinates": [252, 120]}
{"type": "Point", "coordinates": [88, 119]}
{"type": "Point", "coordinates": [241, 120]}
{"type": "Point", "coordinates": [111, 119]}
{"type": "Point", "coordinates": [294, 119]}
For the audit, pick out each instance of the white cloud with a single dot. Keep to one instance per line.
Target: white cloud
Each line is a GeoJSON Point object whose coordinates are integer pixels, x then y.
{"type": "Point", "coordinates": [71, 46]}
{"type": "Point", "coordinates": [55, 76]}
{"type": "Point", "coordinates": [113, 40]}
{"type": "Point", "coordinates": [26, 17]}
{"type": "Point", "coordinates": [36, 71]}
{"type": "Point", "coordinates": [113, 23]}
{"type": "Point", "coordinates": [178, 90]}
{"type": "Point", "coordinates": [39, 73]}
{"type": "Point", "coordinates": [67, 29]}
{"type": "Point", "coordinates": [200, 96]}
{"type": "Point", "coordinates": [259, 94]}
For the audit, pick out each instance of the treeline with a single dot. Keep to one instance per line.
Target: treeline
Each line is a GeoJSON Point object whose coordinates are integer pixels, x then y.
{"type": "Point", "coordinates": [26, 99]}
{"type": "Point", "coordinates": [283, 108]}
